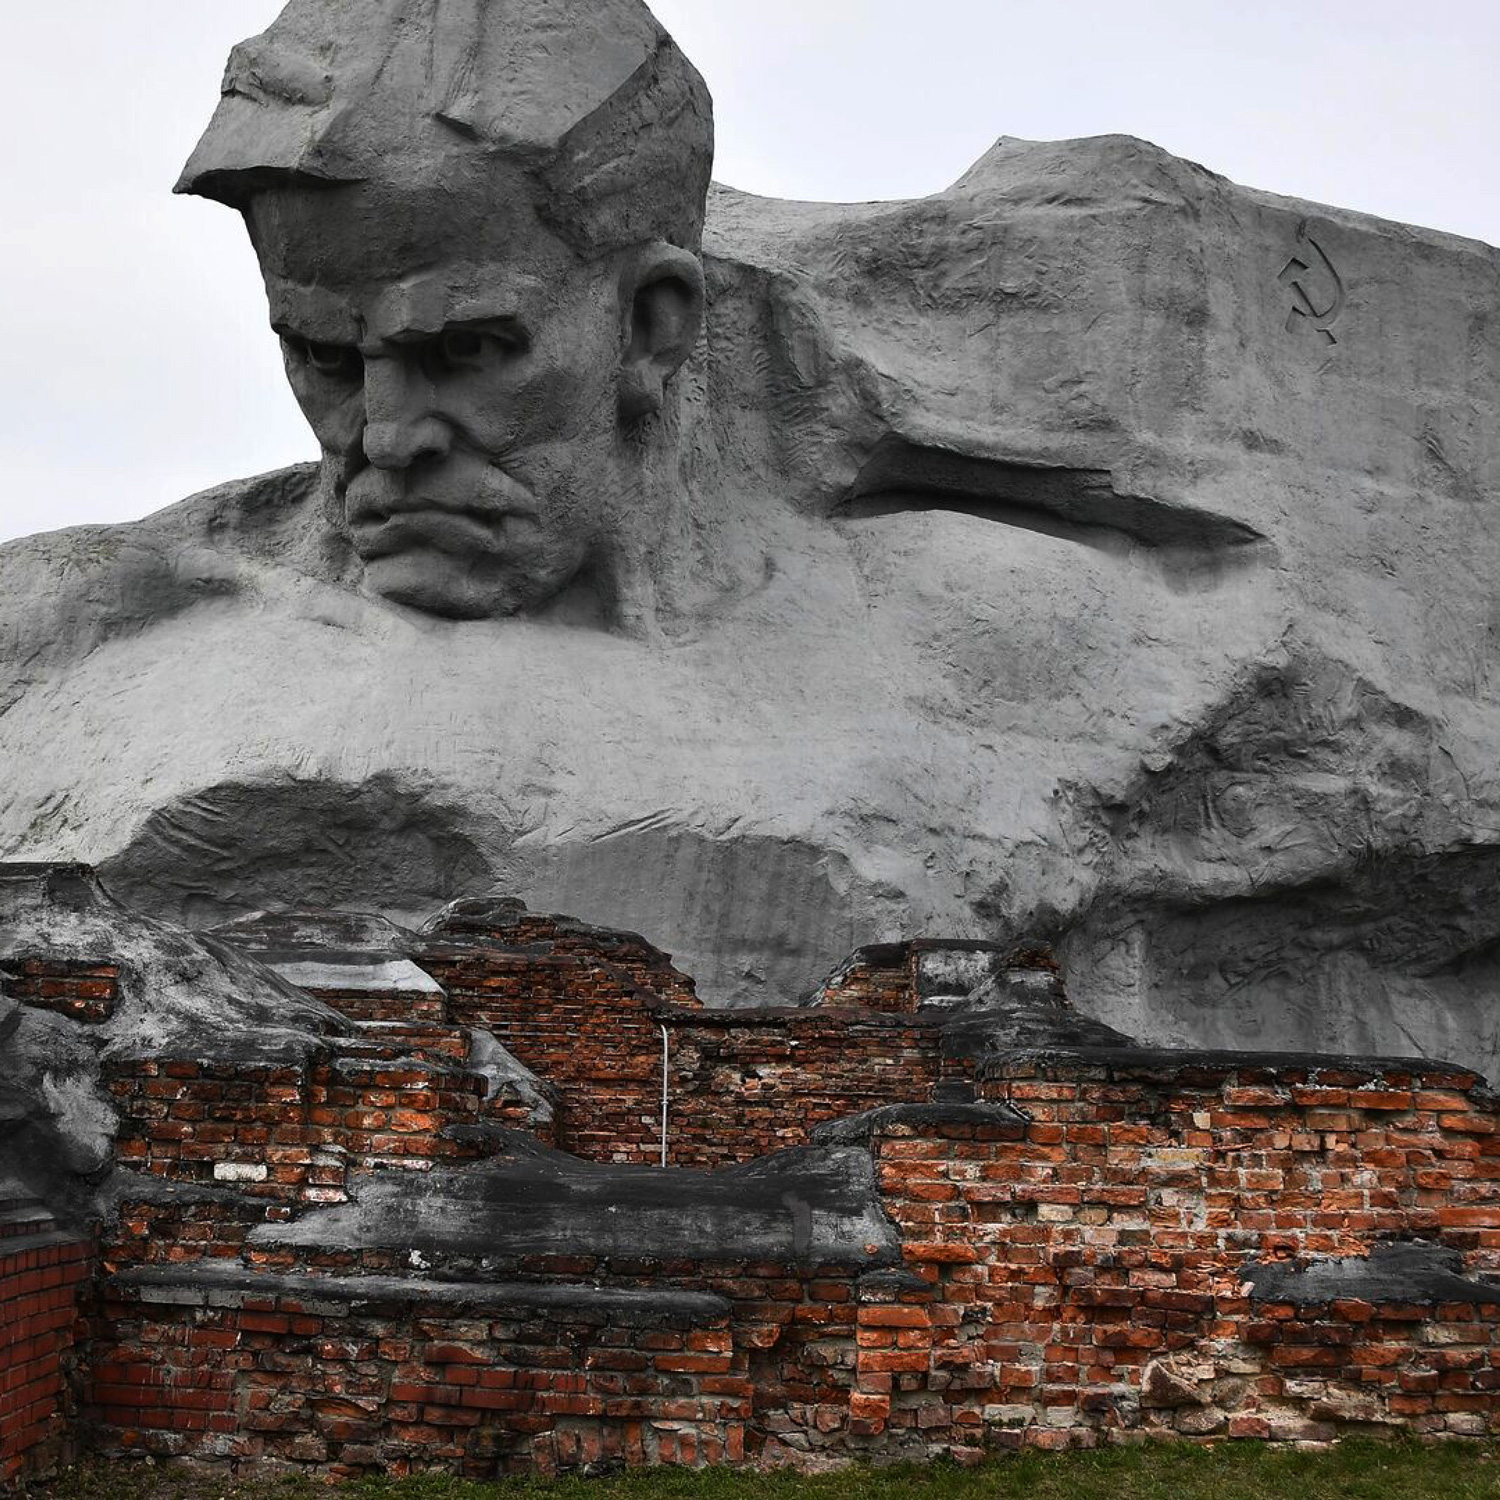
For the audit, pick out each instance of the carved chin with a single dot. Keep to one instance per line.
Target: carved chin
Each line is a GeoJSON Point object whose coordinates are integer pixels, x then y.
{"type": "Point", "coordinates": [453, 588]}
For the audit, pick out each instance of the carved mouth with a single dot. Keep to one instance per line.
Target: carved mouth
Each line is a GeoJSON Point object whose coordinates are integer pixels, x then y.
{"type": "Point", "coordinates": [380, 531]}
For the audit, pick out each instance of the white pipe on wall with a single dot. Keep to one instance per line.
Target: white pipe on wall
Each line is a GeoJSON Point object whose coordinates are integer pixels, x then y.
{"type": "Point", "coordinates": [664, 1046]}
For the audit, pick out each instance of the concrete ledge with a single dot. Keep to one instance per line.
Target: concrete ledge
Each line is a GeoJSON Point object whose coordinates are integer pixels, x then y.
{"type": "Point", "coordinates": [1178, 1065]}
{"type": "Point", "coordinates": [337, 1296]}
{"type": "Point", "coordinates": [23, 1244]}
{"type": "Point", "coordinates": [859, 1130]}
{"type": "Point", "coordinates": [1411, 1273]}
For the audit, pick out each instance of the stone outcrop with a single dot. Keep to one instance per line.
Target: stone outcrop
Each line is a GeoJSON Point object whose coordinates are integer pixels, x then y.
{"type": "Point", "coordinates": [1034, 564]}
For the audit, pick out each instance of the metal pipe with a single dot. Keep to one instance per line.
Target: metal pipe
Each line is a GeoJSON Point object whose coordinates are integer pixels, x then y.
{"type": "Point", "coordinates": [664, 1060]}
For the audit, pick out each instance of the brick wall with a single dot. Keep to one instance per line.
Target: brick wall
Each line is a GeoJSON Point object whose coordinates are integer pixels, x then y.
{"type": "Point", "coordinates": [86, 992]}
{"type": "Point", "coordinates": [585, 1009]}
{"type": "Point", "coordinates": [1099, 1245]}
{"type": "Point", "coordinates": [586, 1026]}
{"type": "Point", "coordinates": [506, 927]}
{"type": "Point", "coordinates": [882, 977]}
{"type": "Point", "coordinates": [42, 1273]}
{"type": "Point", "coordinates": [351, 1379]}
{"type": "Point", "coordinates": [1079, 1272]}
{"type": "Point", "coordinates": [290, 1133]}
{"type": "Point", "coordinates": [1086, 1273]}
{"type": "Point", "coordinates": [746, 1083]}
{"type": "Point", "coordinates": [740, 1083]}
{"type": "Point", "coordinates": [381, 1005]}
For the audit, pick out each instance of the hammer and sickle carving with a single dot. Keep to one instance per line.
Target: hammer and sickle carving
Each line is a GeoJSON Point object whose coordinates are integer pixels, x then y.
{"type": "Point", "coordinates": [1297, 273]}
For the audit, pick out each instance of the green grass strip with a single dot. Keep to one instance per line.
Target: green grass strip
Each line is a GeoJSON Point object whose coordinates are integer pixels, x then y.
{"type": "Point", "coordinates": [1358, 1469]}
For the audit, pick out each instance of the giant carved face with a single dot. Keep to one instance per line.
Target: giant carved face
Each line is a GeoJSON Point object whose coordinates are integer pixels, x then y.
{"type": "Point", "coordinates": [463, 369]}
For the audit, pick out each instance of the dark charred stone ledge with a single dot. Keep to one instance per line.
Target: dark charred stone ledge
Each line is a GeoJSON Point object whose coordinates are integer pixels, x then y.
{"type": "Point", "coordinates": [234, 1287]}
{"type": "Point", "coordinates": [1414, 1273]}
{"type": "Point", "coordinates": [861, 1129]}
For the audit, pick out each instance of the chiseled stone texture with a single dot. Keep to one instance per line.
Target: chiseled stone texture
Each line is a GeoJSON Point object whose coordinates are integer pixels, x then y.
{"type": "Point", "coordinates": [1094, 551]}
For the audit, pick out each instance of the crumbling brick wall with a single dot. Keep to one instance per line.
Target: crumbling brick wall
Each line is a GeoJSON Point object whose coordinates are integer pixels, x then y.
{"type": "Point", "coordinates": [42, 1273]}
{"type": "Point", "coordinates": [746, 1083]}
{"type": "Point", "coordinates": [1088, 1272]}
{"type": "Point", "coordinates": [1092, 1243]}
{"type": "Point", "coordinates": [82, 991]}
{"type": "Point", "coordinates": [289, 1133]}
{"type": "Point", "coordinates": [583, 1025]}
{"type": "Point", "coordinates": [1087, 1261]}
{"type": "Point", "coordinates": [739, 1084]}
{"type": "Point", "coordinates": [480, 1379]}
{"type": "Point", "coordinates": [881, 977]}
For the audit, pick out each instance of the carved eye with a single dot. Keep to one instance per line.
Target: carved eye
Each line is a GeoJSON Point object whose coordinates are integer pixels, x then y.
{"type": "Point", "coordinates": [334, 361]}
{"type": "Point", "coordinates": [460, 346]}
{"type": "Point", "coordinates": [469, 348]}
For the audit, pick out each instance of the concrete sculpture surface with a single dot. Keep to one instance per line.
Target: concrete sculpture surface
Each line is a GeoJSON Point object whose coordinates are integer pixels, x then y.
{"type": "Point", "coordinates": [1095, 552]}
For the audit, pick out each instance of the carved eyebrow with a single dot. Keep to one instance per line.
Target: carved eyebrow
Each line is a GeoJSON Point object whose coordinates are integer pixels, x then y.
{"type": "Point", "coordinates": [508, 323]}
{"type": "Point", "coordinates": [342, 337]}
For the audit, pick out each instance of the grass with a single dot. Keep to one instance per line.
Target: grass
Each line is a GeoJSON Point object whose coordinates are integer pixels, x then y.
{"type": "Point", "coordinates": [1356, 1470]}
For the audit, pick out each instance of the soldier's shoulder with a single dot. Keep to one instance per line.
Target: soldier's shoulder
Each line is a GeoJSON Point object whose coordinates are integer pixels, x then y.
{"type": "Point", "coordinates": [243, 515]}
{"type": "Point", "coordinates": [250, 515]}
{"type": "Point", "coordinates": [63, 593]}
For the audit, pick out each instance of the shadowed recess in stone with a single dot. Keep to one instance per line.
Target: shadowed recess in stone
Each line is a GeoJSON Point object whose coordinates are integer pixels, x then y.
{"type": "Point", "coordinates": [1079, 505]}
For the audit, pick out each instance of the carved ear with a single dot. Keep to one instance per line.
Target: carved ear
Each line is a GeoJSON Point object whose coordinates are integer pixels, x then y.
{"type": "Point", "coordinates": [662, 295]}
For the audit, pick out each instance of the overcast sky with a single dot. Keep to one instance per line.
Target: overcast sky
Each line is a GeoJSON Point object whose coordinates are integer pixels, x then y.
{"type": "Point", "coordinates": [137, 363]}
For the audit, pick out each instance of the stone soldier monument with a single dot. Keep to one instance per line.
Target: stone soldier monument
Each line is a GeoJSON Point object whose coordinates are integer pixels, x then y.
{"type": "Point", "coordinates": [1077, 585]}
{"type": "Point", "coordinates": [1095, 552]}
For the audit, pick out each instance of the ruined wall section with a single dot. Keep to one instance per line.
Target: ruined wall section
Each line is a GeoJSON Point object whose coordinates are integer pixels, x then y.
{"type": "Point", "coordinates": [984, 1222]}
{"type": "Point", "coordinates": [600, 1015]}
{"type": "Point", "coordinates": [747, 1083]}
{"type": "Point", "coordinates": [1137, 1257]}
{"type": "Point", "coordinates": [1206, 1247]}
{"type": "Point", "coordinates": [43, 1272]}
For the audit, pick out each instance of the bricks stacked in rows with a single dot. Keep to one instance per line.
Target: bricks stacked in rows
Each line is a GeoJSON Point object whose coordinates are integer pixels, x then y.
{"type": "Point", "coordinates": [1070, 1276]}
{"type": "Point", "coordinates": [288, 1131]}
{"type": "Point", "coordinates": [385, 1005]}
{"type": "Point", "coordinates": [533, 938]}
{"type": "Point", "coordinates": [739, 1086]}
{"type": "Point", "coordinates": [1111, 1237]}
{"type": "Point", "coordinates": [886, 984]}
{"type": "Point", "coordinates": [745, 1084]}
{"type": "Point", "coordinates": [1066, 1277]}
{"type": "Point", "coordinates": [1308, 1161]}
{"type": "Point", "coordinates": [585, 1026]}
{"type": "Point", "coordinates": [358, 1390]}
{"type": "Point", "coordinates": [148, 1231]}
{"type": "Point", "coordinates": [82, 991]}
{"type": "Point", "coordinates": [40, 1281]}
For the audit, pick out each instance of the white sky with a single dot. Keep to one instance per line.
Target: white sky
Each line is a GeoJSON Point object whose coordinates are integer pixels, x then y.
{"type": "Point", "coordinates": [137, 366]}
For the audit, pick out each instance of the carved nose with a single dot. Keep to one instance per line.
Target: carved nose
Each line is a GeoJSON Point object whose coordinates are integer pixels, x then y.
{"type": "Point", "coordinates": [400, 426]}
{"type": "Point", "coordinates": [398, 445]}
